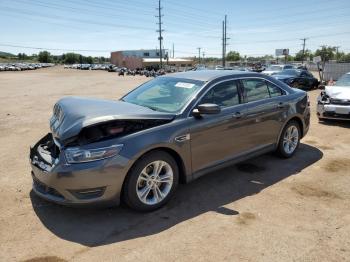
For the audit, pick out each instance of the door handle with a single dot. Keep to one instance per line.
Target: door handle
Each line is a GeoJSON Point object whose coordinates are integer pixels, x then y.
{"type": "Point", "coordinates": [280, 105]}
{"type": "Point", "coordinates": [237, 115]}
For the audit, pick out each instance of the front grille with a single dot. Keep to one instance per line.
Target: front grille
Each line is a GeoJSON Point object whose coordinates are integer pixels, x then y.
{"type": "Point", "coordinates": [335, 115]}
{"type": "Point", "coordinates": [344, 102]}
{"type": "Point", "coordinates": [44, 189]}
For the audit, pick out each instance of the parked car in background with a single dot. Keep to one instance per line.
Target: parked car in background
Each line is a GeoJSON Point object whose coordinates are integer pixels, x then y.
{"type": "Point", "coordinates": [272, 69]}
{"type": "Point", "coordinates": [334, 101]}
{"type": "Point", "coordinates": [167, 130]}
{"type": "Point", "coordinates": [219, 67]}
{"type": "Point", "coordinates": [23, 66]}
{"type": "Point", "coordinates": [112, 68]}
{"type": "Point", "coordinates": [297, 78]}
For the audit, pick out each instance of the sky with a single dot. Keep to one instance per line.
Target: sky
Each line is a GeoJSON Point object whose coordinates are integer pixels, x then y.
{"type": "Point", "coordinates": [97, 27]}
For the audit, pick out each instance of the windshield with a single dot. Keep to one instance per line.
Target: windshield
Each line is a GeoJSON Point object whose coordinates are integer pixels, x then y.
{"type": "Point", "coordinates": [289, 72]}
{"type": "Point", "coordinates": [164, 94]}
{"type": "Point", "coordinates": [274, 68]}
{"type": "Point", "coordinates": [343, 80]}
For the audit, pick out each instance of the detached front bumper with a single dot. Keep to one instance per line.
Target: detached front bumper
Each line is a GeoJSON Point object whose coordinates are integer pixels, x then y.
{"type": "Point", "coordinates": [97, 182]}
{"type": "Point", "coordinates": [331, 111]}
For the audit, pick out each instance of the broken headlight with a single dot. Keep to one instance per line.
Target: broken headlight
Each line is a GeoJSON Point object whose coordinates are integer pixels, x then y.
{"type": "Point", "coordinates": [324, 98]}
{"type": "Point", "coordinates": [78, 155]}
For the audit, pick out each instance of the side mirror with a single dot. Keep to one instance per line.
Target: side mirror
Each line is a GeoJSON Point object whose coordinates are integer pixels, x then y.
{"type": "Point", "coordinates": [206, 109]}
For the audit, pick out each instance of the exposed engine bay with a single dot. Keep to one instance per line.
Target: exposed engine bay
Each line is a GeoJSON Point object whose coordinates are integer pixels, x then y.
{"type": "Point", "coordinates": [113, 129]}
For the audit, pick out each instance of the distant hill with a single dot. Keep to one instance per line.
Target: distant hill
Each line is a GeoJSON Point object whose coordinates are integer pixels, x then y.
{"type": "Point", "coordinates": [4, 54]}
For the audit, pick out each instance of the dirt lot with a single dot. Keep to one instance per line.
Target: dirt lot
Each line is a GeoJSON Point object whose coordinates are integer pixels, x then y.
{"type": "Point", "coordinates": [266, 209]}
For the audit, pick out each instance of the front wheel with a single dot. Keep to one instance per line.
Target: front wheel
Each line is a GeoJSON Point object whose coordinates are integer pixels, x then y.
{"type": "Point", "coordinates": [151, 182]}
{"type": "Point", "coordinates": [289, 140]}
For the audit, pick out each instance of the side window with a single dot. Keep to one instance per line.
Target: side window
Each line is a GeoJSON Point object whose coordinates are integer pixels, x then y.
{"type": "Point", "coordinates": [274, 90]}
{"type": "Point", "coordinates": [224, 94]}
{"type": "Point", "coordinates": [255, 89]}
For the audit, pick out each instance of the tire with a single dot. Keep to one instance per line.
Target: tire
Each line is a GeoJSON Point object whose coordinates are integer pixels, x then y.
{"type": "Point", "coordinates": [282, 148]}
{"type": "Point", "coordinates": [137, 183]}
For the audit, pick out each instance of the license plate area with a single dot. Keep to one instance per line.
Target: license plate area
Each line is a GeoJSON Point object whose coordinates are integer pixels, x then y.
{"type": "Point", "coordinates": [342, 111]}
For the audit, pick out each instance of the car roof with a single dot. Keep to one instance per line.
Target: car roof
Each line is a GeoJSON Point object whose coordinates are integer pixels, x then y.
{"type": "Point", "coordinates": [208, 75]}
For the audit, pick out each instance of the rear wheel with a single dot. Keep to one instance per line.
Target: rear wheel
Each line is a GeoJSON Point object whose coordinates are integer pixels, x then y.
{"type": "Point", "coordinates": [289, 140]}
{"type": "Point", "coordinates": [151, 182]}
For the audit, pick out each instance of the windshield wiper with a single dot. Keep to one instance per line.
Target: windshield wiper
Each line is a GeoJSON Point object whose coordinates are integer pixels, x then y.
{"type": "Point", "coordinates": [151, 107]}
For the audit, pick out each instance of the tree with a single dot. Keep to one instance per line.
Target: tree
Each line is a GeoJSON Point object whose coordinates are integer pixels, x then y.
{"type": "Point", "coordinates": [44, 57]}
{"type": "Point", "coordinates": [233, 56]}
{"type": "Point", "coordinates": [89, 60]}
{"type": "Point", "coordinates": [71, 58]}
{"type": "Point", "coordinates": [345, 58]}
{"type": "Point", "coordinates": [307, 54]}
{"type": "Point", "coordinates": [326, 52]}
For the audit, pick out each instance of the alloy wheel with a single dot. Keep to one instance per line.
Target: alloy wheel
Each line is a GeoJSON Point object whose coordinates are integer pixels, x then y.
{"type": "Point", "coordinates": [290, 139]}
{"type": "Point", "coordinates": [154, 182]}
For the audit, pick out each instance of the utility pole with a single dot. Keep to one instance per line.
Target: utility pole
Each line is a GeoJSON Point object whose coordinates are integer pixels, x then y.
{"type": "Point", "coordinates": [225, 36]}
{"type": "Point", "coordinates": [337, 52]}
{"type": "Point", "coordinates": [199, 55]}
{"type": "Point", "coordinates": [224, 41]}
{"type": "Point", "coordinates": [173, 51]}
{"type": "Point", "coordinates": [304, 40]}
{"type": "Point", "coordinates": [203, 54]}
{"type": "Point", "coordinates": [160, 30]}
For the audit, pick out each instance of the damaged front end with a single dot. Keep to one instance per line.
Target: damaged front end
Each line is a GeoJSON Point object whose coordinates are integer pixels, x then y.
{"type": "Point", "coordinates": [332, 107]}
{"type": "Point", "coordinates": [112, 129]}
{"type": "Point", "coordinates": [79, 121]}
{"type": "Point", "coordinates": [81, 161]}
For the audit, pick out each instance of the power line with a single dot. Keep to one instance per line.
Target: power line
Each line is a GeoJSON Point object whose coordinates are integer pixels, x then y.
{"type": "Point", "coordinates": [55, 49]}
{"type": "Point", "coordinates": [31, 13]}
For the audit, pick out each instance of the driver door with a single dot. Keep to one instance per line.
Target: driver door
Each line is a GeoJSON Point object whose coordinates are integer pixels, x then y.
{"type": "Point", "coordinates": [216, 138]}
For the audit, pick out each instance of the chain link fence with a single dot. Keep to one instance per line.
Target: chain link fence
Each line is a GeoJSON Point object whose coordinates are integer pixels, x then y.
{"type": "Point", "coordinates": [332, 70]}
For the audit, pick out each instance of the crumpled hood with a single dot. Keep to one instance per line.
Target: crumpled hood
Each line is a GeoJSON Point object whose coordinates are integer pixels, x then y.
{"type": "Point", "coordinates": [338, 92]}
{"type": "Point", "coordinates": [71, 114]}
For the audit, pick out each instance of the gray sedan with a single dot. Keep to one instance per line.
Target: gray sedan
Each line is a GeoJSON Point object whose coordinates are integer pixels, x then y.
{"type": "Point", "coordinates": [171, 129]}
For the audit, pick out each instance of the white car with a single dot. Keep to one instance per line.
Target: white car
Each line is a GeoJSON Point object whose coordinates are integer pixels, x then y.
{"type": "Point", "coordinates": [334, 101]}
{"type": "Point", "coordinates": [273, 69]}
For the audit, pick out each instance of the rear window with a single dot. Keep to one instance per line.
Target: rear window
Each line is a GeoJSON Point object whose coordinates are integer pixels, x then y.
{"type": "Point", "coordinates": [259, 89]}
{"type": "Point", "coordinates": [255, 89]}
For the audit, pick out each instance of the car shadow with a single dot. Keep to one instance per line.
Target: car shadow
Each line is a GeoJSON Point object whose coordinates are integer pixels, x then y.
{"type": "Point", "coordinates": [335, 122]}
{"type": "Point", "coordinates": [210, 193]}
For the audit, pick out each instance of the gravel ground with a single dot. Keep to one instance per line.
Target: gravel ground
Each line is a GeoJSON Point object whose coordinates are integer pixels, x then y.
{"type": "Point", "coordinates": [265, 209]}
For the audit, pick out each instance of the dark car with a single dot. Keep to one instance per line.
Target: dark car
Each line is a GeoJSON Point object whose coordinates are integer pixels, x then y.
{"type": "Point", "coordinates": [297, 78]}
{"type": "Point", "coordinates": [168, 130]}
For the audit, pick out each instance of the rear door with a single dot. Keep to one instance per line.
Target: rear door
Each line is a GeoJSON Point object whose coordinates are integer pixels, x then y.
{"type": "Point", "coordinates": [264, 114]}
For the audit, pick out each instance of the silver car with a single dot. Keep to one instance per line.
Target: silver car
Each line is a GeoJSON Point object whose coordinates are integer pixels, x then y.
{"type": "Point", "coordinates": [334, 101]}
{"type": "Point", "coordinates": [171, 129]}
